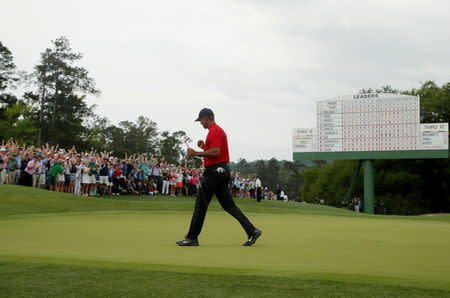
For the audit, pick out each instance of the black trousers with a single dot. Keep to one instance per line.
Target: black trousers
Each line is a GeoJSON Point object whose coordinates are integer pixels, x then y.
{"type": "Point", "coordinates": [258, 194]}
{"type": "Point", "coordinates": [215, 181]}
{"type": "Point", "coordinates": [191, 188]}
{"type": "Point", "coordinates": [158, 182]}
{"type": "Point", "coordinates": [25, 179]}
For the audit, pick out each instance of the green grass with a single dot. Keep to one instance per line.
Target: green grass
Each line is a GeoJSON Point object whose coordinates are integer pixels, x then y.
{"type": "Point", "coordinates": [61, 245]}
{"type": "Point", "coordinates": [18, 279]}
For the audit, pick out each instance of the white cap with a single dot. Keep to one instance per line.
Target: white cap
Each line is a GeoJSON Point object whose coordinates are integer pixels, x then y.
{"type": "Point", "coordinates": [2, 149]}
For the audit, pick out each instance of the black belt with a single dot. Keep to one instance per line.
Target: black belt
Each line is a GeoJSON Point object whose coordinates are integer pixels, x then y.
{"type": "Point", "coordinates": [222, 164]}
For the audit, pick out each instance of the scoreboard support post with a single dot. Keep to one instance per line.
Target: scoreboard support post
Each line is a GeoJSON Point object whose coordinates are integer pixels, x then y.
{"type": "Point", "coordinates": [367, 159]}
{"type": "Point", "coordinates": [369, 192]}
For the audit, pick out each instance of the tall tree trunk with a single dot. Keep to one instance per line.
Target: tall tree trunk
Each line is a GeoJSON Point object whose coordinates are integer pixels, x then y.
{"type": "Point", "coordinates": [55, 104]}
{"type": "Point", "coordinates": [41, 116]}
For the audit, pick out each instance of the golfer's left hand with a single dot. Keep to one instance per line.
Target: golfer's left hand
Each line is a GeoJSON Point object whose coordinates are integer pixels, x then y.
{"type": "Point", "coordinates": [191, 152]}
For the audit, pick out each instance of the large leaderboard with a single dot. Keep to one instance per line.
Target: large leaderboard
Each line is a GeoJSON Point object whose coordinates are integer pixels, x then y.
{"type": "Point", "coordinates": [370, 123]}
{"type": "Point", "coordinates": [367, 127]}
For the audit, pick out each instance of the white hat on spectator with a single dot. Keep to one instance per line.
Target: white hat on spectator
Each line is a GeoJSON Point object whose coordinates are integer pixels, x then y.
{"type": "Point", "coordinates": [2, 149]}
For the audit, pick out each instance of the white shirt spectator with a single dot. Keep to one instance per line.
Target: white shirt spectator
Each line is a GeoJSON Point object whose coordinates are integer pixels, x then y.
{"type": "Point", "coordinates": [67, 167]}
{"type": "Point", "coordinates": [78, 172]}
{"type": "Point", "coordinates": [257, 183]}
{"type": "Point", "coordinates": [180, 177]}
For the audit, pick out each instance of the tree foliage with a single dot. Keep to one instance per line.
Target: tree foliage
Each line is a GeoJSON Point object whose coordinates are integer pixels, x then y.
{"type": "Point", "coordinates": [14, 125]}
{"type": "Point", "coordinates": [8, 71]}
{"type": "Point", "coordinates": [13, 120]}
{"type": "Point", "coordinates": [61, 87]}
{"type": "Point", "coordinates": [170, 146]}
{"type": "Point", "coordinates": [141, 136]}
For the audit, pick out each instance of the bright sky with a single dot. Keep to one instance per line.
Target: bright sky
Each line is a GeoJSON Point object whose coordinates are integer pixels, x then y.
{"type": "Point", "coordinates": [259, 65]}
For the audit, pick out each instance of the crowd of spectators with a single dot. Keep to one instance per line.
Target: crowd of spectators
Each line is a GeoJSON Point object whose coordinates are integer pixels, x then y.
{"type": "Point", "coordinates": [319, 201]}
{"type": "Point", "coordinates": [94, 173]}
{"type": "Point", "coordinates": [252, 188]}
{"type": "Point", "coordinates": [355, 203]}
{"type": "Point", "coordinates": [97, 173]}
{"type": "Point", "coordinates": [380, 208]}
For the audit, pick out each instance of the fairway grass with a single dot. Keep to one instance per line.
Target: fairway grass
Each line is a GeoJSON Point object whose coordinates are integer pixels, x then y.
{"type": "Point", "coordinates": [40, 279]}
{"type": "Point", "coordinates": [57, 244]}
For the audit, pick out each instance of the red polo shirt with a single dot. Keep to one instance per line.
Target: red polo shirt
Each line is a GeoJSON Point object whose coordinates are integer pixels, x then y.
{"type": "Point", "coordinates": [216, 138]}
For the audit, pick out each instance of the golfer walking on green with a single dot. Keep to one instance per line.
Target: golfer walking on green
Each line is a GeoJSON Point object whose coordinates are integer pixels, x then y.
{"type": "Point", "coordinates": [215, 181]}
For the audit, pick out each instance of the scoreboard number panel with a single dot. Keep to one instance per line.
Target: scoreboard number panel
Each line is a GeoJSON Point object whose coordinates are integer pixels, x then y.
{"type": "Point", "coordinates": [370, 123]}
{"type": "Point", "coordinates": [434, 136]}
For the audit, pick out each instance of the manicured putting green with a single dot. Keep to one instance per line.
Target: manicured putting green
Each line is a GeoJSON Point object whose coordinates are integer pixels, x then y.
{"type": "Point", "coordinates": [298, 243]}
